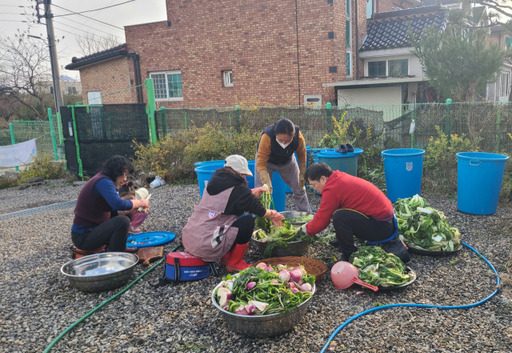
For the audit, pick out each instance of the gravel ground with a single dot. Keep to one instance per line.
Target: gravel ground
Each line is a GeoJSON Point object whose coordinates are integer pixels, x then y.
{"type": "Point", "coordinates": [37, 303]}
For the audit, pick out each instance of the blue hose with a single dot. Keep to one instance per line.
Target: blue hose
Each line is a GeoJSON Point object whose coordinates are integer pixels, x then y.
{"type": "Point", "coordinates": [412, 305]}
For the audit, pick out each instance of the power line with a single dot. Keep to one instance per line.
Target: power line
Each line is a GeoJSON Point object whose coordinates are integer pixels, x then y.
{"type": "Point", "coordinates": [90, 18]}
{"type": "Point", "coordinates": [101, 8]}
{"type": "Point", "coordinates": [83, 24]}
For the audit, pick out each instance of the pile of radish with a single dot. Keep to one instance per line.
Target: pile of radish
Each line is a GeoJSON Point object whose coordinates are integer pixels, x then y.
{"type": "Point", "coordinates": [265, 289]}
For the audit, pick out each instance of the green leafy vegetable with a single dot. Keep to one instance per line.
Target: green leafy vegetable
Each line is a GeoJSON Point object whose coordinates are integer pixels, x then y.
{"type": "Point", "coordinates": [423, 227]}
{"type": "Point", "coordinates": [379, 268]}
{"type": "Point", "coordinates": [265, 290]}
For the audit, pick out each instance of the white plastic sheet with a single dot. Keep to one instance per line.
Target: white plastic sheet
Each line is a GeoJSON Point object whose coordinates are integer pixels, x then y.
{"type": "Point", "coordinates": [18, 154]}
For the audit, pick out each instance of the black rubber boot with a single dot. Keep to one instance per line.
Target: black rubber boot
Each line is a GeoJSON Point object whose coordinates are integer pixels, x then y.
{"type": "Point", "coordinates": [397, 247]}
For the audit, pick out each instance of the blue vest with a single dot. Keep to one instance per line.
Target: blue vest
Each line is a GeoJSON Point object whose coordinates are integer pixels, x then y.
{"type": "Point", "coordinates": [279, 155]}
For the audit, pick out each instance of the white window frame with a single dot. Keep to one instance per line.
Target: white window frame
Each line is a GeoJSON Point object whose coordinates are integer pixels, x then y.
{"type": "Point", "coordinates": [504, 85]}
{"type": "Point", "coordinates": [227, 78]}
{"type": "Point", "coordinates": [166, 75]}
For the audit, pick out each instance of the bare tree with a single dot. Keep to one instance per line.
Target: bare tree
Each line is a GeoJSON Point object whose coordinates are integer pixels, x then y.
{"type": "Point", "coordinates": [25, 75]}
{"type": "Point", "coordinates": [91, 43]}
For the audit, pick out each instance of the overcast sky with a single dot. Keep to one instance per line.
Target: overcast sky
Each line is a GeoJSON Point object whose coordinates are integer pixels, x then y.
{"type": "Point", "coordinates": [75, 18]}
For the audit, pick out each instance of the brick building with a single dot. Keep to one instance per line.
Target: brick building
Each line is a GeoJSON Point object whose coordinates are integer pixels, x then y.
{"type": "Point", "coordinates": [215, 54]}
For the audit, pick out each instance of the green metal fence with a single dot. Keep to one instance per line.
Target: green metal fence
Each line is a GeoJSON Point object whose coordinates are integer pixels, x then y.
{"type": "Point", "coordinates": [486, 124]}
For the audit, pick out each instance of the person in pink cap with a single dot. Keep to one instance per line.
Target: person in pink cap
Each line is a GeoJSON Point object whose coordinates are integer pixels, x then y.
{"type": "Point", "coordinates": [219, 228]}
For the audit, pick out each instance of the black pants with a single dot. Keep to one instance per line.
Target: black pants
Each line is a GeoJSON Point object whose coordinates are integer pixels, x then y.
{"type": "Point", "coordinates": [349, 223]}
{"type": "Point", "coordinates": [245, 225]}
{"type": "Point", "coordinates": [113, 232]}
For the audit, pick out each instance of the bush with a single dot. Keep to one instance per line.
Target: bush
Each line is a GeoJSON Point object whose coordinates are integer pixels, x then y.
{"type": "Point", "coordinates": [440, 162]}
{"type": "Point", "coordinates": [213, 143]}
{"type": "Point", "coordinates": [166, 158]}
{"type": "Point", "coordinates": [45, 167]}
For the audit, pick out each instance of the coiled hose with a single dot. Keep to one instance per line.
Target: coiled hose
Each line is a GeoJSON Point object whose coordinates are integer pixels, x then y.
{"type": "Point", "coordinates": [59, 337]}
{"type": "Point", "coordinates": [412, 305]}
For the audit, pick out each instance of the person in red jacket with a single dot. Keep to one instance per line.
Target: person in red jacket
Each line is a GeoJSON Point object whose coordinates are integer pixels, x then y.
{"type": "Point", "coordinates": [357, 208]}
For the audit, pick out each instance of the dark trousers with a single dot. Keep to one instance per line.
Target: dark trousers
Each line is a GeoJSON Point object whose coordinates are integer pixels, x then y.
{"type": "Point", "coordinates": [113, 232]}
{"type": "Point", "coordinates": [349, 223]}
{"type": "Point", "coordinates": [245, 225]}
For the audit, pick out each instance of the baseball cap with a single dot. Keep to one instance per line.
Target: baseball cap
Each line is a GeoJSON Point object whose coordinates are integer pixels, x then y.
{"type": "Point", "coordinates": [239, 164]}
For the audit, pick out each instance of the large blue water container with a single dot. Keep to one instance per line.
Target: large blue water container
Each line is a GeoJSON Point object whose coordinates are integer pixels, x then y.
{"type": "Point", "coordinates": [344, 162]}
{"type": "Point", "coordinates": [479, 179]}
{"type": "Point", "coordinates": [250, 179]}
{"type": "Point", "coordinates": [204, 173]}
{"type": "Point", "coordinates": [403, 168]}
{"type": "Point", "coordinates": [278, 192]}
{"type": "Point", "coordinates": [215, 162]}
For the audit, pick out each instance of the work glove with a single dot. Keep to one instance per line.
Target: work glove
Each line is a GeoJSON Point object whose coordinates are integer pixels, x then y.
{"type": "Point", "coordinates": [302, 178]}
{"type": "Point", "coordinates": [265, 179]}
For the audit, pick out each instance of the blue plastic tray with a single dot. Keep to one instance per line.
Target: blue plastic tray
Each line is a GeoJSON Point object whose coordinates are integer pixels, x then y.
{"type": "Point", "coordinates": [145, 240]}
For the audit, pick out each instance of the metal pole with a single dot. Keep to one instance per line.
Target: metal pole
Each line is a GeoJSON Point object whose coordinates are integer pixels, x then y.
{"type": "Point", "coordinates": [52, 132]}
{"type": "Point", "coordinates": [13, 140]}
{"type": "Point", "coordinates": [57, 93]}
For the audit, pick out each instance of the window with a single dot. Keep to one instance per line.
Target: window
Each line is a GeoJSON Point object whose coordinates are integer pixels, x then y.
{"type": "Point", "coordinates": [94, 97]}
{"type": "Point", "coordinates": [390, 68]}
{"type": "Point", "coordinates": [376, 68]}
{"type": "Point", "coordinates": [398, 68]}
{"type": "Point", "coordinates": [168, 85]}
{"type": "Point", "coordinates": [349, 63]}
{"type": "Point", "coordinates": [505, 83]}
{"type": "Point", "coordinates": [348, 34]}
{"type": "Point", "coordinates": [347, 7]}
{"type": "Point", "coordinates": [508, 43]}
{"type": "Point", "coordinates": [227, 77]}
{"type": "Point", "coordinates": [369, 8]}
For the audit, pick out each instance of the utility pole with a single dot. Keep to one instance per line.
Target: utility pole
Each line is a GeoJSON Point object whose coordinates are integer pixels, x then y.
{"type": "Point", "coordinates": [57, 92]}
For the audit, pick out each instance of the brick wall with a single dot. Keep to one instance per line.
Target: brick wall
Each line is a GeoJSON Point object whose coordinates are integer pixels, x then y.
{"type": "Point", "coordinates": [111, 78]}
{"type": "Point", "coordinates": [257, 40]}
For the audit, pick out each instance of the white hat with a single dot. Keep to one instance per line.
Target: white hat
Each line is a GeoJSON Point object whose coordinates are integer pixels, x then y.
{"type": "Point", "coordinates": [239, 164]}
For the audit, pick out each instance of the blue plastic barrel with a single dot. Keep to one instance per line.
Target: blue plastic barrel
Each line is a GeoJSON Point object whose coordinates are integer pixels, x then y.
{"type": "Point", "coordinates": [204, 173]}
{"type": "Point", "coordinates": [278, 192]}
{"type": "Point", "coordinates": [215, 162]}
{"type": "Point", "coordinates": [250, 180]}
{"type": "Point", "coordinates": [403, 168]}
{"type": "Point", "coordinates": [479, 179]}
{"type": "Point", "coordinates": [344, 162]}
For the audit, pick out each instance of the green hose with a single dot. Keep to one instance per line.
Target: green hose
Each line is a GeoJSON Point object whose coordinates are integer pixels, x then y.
{"type": "Point", "coordinates": [104, 303]}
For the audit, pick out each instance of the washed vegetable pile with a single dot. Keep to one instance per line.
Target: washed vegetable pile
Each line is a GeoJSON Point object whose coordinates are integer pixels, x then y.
{"type": "Point", "coordinates": [379, 268]}
{"type": "Point", "coordinates": [264, 290]}
{"type": "Point", "coordinates": [301, 219]}
{"type": "Point", "coordinates": [423, 227]}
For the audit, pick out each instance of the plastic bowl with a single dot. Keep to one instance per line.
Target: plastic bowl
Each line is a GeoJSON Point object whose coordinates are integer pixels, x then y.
{"type": "Point", "coordinates": [100, 272]}
{"type": "Point", "coordinates": [258, 326]}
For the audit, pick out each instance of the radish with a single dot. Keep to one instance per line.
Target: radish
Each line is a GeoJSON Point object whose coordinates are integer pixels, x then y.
{"type": "Point", "coordinates": [241, 310]}
{"type": "Point", "coordinates": [249, 308]}
{"type": "Point", "coordinates": [284, 275]}
{"type": "Point", "coordinates": [306, 287]}
{"type": "Point", "coordinates": [225, 295]}
{"type": "Point", "coordinates": [301, 269]}
{"type": "Point", "coordinates": [274, 282]}
{"type": "Point", "coordinates": [295, 275]}
{"type": "Point", "coordinates": [259, 307]}
{"type": "Point", "coordinates": [261, 265]}
{"type": "Point", "coordinates": [251, 285]}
